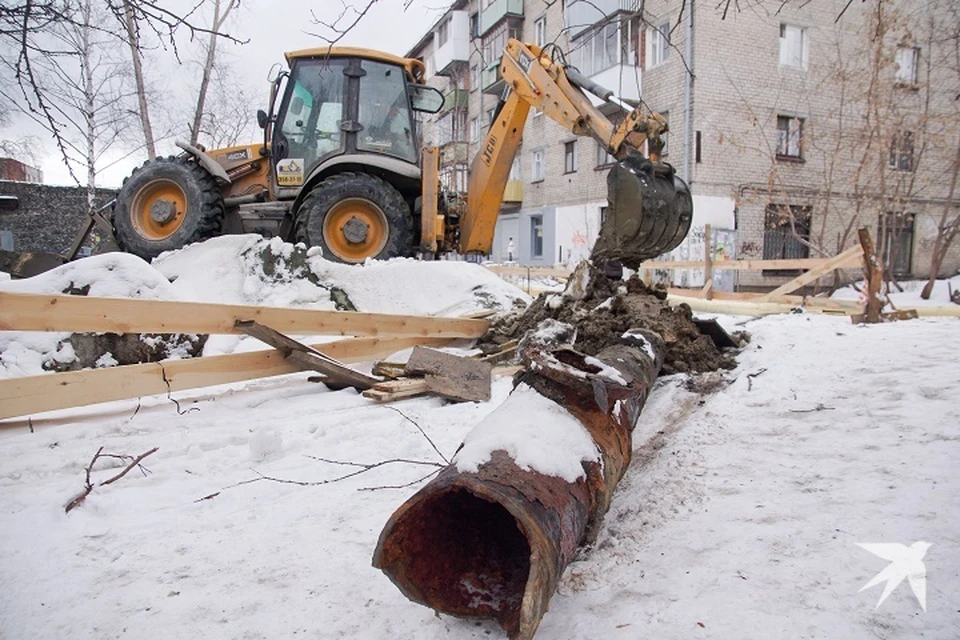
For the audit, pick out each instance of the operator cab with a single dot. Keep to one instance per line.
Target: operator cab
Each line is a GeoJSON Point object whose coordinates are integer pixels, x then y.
{"type": "Point", "coordinates": [342, 104]}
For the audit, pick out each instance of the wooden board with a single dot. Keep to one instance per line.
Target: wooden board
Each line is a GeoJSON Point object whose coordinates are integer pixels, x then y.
{"type": "Point", "coordinates": [452, 376]}
{"type": "Point", "coordinates": [32, 312]}
{"type": "Point", "coordinates": [850, 257]}
{"type": "Point", "coordinates": [308, 357]}
{"type": "Point", "coordinates": [34, 394]}
{"type": "Point", "coordinates": [741, 265]}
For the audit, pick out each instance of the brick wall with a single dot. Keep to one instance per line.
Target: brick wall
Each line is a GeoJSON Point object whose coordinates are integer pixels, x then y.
{"type": "Point", "coordinates": [48, 217]}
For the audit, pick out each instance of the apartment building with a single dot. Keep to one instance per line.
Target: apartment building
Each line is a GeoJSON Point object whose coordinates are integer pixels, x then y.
{"type": "Point", "coordinates": [792, 127]}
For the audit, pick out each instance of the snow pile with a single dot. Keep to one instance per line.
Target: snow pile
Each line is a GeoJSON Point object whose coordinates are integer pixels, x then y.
{"type": "Point", "coordinates": [251, 270]}
{"type": "Point", "coordinates": [909, 298]}
{"type": "Point", "coordinates": [536, 432]}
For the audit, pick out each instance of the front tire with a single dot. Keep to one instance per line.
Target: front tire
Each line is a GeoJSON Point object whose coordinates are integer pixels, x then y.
{"type": "Point", "coordinates": [355, 216]}
{"type": "Point", "coordinates": [165, 205]}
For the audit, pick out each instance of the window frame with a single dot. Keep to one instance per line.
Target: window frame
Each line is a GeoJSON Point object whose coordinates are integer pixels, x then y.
{"type": "Point", "coordinates": [902, 147]}
{"type": "Point", "coordinates": [784, 142]}
{"type": "Point", "coordinates": [540, 31]}
{"type": "Point", "coordinates": [658, 45]}
{"type": "Point", "coordinates": [604, 158]}
{"type": "Point", "coordinates": [443, 33]}
{"type": "Point", "coordinates": [570, 160]}
{"type": "Point", "coordinates": [537, 165]}
{"type": "Point", "coordinates": [913, 71]}
{"type": "Point", "coordinates": [793, 59]}
{"type": "Point", "coordinates": [536, 239]}
{"type": "Point", "coordinates": [782, 225]}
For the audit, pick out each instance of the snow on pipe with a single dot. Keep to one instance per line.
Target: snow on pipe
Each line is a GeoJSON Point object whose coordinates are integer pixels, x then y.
{"type": "Point", "coordinates": [490, 536]}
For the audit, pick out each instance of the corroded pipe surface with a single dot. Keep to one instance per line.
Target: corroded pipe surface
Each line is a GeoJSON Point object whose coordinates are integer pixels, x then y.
{"type": "Point", "coordinates": [491, 539]}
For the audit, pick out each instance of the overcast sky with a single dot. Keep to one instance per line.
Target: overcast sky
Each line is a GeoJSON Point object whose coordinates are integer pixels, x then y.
{"type": "Point", "coordinates": [271, 27]}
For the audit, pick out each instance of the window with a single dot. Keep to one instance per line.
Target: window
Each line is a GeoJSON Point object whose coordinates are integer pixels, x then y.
{"type": "Point", "coordinates": [536, 165]}
{"type": "Point", "coordinates": [474, 25]}
{"type": "Point", "coordinates": [515, 170]}
{"type": "Point", "coordinates": [474, 77]}
{"type": "Point", "coordinates": [793, 46]}
{"type": "Point", "coordinates": [495, 42]}
{"type": "Point", "coordinates": [907, 59]}
{"type": "Point", "coordinates": [489, 117]}
{"type": "Point", "coordinates": [789, 137]}
{"type": "Point", "coordinates": [658, 45]}
{"type": "Point", "coordinates": [603, 156]}
{"type": "Point", "coordinates": [896, 230]}
{"type": "Point", "coordinates": [540, 31]}
{"type": "Point", "coordinates": [443, 33]}
{"type": "Point", "coordinates": [779, 240]}
{"type": "Point", "coordinates": [901, 151]}
{"type": "Point", "coordinates": [570, 156]}
{"type": "Point", "coordinates": [311, 127]}
{"type": "Point", "coordinates": [536, 236]}
{"type": "Point", "coordinates": [598, 50]}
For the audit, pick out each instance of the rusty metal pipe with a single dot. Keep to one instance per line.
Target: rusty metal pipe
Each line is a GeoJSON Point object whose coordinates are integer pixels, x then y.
{"type": "Point", "coordinates": [492, 543]}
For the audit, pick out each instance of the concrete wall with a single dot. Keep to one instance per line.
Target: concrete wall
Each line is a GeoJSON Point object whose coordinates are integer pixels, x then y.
{"type": "Point", "coordinates": [48, 217]}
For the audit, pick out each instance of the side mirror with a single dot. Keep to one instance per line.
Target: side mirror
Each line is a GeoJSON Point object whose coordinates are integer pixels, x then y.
{"type": "Point", "coordinates": [425, 99]}
{"type": "Point", "coordinates": [261, 118]}
{"type": "Point", "coordinates": [276, 69]}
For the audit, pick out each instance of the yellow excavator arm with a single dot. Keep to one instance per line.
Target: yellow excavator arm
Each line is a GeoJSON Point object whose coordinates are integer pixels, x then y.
{"type": "Point", "coordinates": [534, 79]}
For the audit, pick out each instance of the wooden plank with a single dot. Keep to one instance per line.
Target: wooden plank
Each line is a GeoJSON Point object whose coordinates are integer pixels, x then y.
{"type": "Point", "coordinates": [410, 387]}
{"type": "Point", "coordinates": [34, 394]}
{"type": "Point", "coordinates": [533, 272]}
{"type": "Point", "coordinates": [32, 312]}
{"type": "Point", "coordinates": [740, 265]}
{"type": "Point", "coordinates": [707, 291]}
{"type": "Point", "coordinates": [452, 376]}
{"type": "Point", "coordinates": [308, 357]}
{"type": "Point", "coordinates": [845, 258]}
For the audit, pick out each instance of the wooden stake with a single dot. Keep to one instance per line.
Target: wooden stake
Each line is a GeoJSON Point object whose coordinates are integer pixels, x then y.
{"type": "Point", "coordinates": [873, 274]}
{"type": "Point", "coordinates": [708, 261]}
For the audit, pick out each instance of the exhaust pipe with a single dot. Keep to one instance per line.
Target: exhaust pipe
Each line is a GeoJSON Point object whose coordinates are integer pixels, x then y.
{"type": "Point", "coordinates": [490, 536]}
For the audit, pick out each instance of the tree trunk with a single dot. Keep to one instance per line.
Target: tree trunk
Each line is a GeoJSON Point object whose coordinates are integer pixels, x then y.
{"type": "Point", "coordinates": [133, 40]}
{"type": "Point", "coordinates": [89, 113]}
{"type": "Point", "coordinates": [218, 21]}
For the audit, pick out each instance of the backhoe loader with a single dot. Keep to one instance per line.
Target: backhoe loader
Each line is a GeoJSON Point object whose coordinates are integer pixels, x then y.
{"type": "Point", "coordinates": [340, 166]}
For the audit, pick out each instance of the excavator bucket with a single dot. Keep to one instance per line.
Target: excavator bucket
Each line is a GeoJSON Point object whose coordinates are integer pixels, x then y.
{"type": "Point", "coordinates": [650, 212]}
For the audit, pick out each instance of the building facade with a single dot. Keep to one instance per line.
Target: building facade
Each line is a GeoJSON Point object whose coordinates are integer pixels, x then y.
{"type": "Point", "coordinates": [792, 127]}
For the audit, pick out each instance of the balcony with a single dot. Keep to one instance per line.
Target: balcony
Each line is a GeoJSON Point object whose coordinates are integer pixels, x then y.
{"type": "Point", "coordinates": [497, 11]}
{"type": "Point", "coordinates": [580, 15]}
{"type": "Point", "coordinates": [456, 99]}
{"type": "Point", "coordinates": [513, 192]}
{"type": "Point", "coordinates": [454, 153]}
{"type": "Point", "coordinates": [491, 81]}
{"type": "Point", "coordinates": [452, 38]}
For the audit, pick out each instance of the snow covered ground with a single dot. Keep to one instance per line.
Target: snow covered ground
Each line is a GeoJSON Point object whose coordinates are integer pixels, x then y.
{"type": "Point", "coordinates": [738, 518]}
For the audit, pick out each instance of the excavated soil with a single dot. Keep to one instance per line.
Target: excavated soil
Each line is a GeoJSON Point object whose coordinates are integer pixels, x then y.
{"type": "Point", "coordinates": [604, 309]}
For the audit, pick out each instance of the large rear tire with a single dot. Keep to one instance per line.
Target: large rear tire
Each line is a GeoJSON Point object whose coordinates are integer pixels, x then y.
{"type": "Point", "coordinates": [165, 205]}
{"type": "Point", "coordinates": [355, 216]}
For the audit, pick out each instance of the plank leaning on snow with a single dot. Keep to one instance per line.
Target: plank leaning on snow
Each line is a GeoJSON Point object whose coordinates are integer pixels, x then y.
{"type": "Point", "coordinates": [33, 312]}
{"type": "Point", "coordinates": [34, 394]}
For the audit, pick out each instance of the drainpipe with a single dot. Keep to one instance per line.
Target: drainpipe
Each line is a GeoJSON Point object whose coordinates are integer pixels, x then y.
{"type": "Point", "coordinates": [688, 98]}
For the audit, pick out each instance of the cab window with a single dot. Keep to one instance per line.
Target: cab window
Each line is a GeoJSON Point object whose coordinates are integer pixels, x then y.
{"type": "Point", "coordinates": [311, 125]}
{"type": "Point", "coordinates": [385, 112]}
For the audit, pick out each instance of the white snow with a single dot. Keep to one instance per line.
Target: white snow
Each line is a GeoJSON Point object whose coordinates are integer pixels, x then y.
{"type": "Point", "coordinates": [536, 432]}
{"type": "Point", "coordinates": [909, 298]}
{"type": "Point", "coordinates": [738, 518]}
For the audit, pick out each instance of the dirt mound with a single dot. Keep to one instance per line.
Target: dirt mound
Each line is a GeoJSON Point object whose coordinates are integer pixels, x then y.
{"type": "Point", "coordinates": [602, 310]}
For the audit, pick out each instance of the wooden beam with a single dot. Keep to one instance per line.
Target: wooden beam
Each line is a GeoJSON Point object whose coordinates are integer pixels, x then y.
{"type": "Point", "coordinates": [873, 274]}
{"type": "Point", "coordinates": [32, 312]}
{"type": "Point", "coordinates": [546, 272]}
{"type": "Point", "coordinates": [707, 291]}
{"type": "Point", "coordinates": [308, 357]}
{"type": "Point", "coordinates": [847, 258]}
{"type": "Point", "coordinates": [47, 392]}
{"type": "Point", "coordinates": [740, 265]}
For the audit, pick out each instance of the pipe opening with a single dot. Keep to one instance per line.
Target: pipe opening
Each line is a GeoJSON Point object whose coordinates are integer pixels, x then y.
{"type": "Point", "coordinates": [464, 555]}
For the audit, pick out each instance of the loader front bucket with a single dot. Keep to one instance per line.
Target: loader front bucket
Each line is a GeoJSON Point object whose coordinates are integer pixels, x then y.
{"type": "Point", "coordinates": [650, 211]}
{"type": "Point", "coordinates": [27, 265]}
